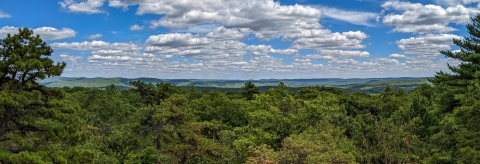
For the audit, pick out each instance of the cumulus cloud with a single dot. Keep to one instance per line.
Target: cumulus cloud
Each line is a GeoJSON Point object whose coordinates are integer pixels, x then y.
{"type": "Point", "coordinates": [213, 60]}
{"type": "Point", "coordinates": [207, 41]}
{"type": "Point", "coordinates": [105, 58]}
{"type": "Point", "coordinates": [227, 34]}
{"type": "Point", "coordinates": [324, 39]}
{"type": "Point", "coordinates": [353, 17]}
{"type": "Point", "coordinates": [268, 49]}
{"type": "Point", "coordinates": [321, 57]}
{"type": "Point", "coordinates": [419, 18]}
{"type": "Point", "coordinates": [455, 2]}
{"type": "Point", "coordinates": [335, 54]}
{"type": "Point", "coordinates": [267, 18]}
{"type": "Point", "coordinates": [397, 56]}
{"type": "Point", "coordinates": [175, 40]}
{"type": "Point", "coordinates": [50, 33]}
{"type": "Point", "coordinates": [83, 7]}
{"type": "Point", "coordinates": [8, 30]}
{"type": "Point", "coordinates": [96, 45]}
{"type": "Point", "coordinates": [46, 33]}
{"type": "Point", "coordinates": [427, 45]}
{"type": "Point", "coordinates": [94, 36]}
{"type": "Point", "coordinates": [70, 58]}
{"type": "Point", "coordinates": [195, 46]}
{"type": "Point", "coordinates": [136, 28]}
{"type": "Point", "coordinates": [4, 15]}
{"type": "Point", "coordinates": [200, 28]}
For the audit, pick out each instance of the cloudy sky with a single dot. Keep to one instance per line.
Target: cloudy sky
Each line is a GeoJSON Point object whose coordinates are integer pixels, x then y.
{"type": "Point", "coordinates": [245, 39]}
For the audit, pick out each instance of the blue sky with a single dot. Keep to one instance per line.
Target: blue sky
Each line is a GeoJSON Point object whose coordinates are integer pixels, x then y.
{"type": "Point", "coordinates": [247, 39]}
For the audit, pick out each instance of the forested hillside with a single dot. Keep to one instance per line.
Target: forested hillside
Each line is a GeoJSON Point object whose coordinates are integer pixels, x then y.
{"type": "Point", "coordinates": [365, 85]}
{"type": "Point", "coordinates": [161, 123]}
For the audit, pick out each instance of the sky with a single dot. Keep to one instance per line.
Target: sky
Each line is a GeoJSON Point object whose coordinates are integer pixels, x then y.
{"type": "Point", "coordinates": [245, 39]}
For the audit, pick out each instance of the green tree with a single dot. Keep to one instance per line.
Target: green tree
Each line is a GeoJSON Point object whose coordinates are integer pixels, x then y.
{"type": "Point", "coordinates": [25, 59]}
{"type": "Point", "coordinates": [453, 98]}
{"type": "Point", "coordinates": [469, 57]}
{"type": "Point", "coordinates": [467, 119]}
{"type": "Point", "coordinates": [36, 124]}
{"type": "Point", "coordinates": [308, 93]}
{"type": "Point", "coordinates": [177, 136]}
{"type": "Point", "coordinates": [305, 135]}
{"type": "Point", "coordinates": [216, 106]}
{"type": "Point", "coordinates": [249, 90]}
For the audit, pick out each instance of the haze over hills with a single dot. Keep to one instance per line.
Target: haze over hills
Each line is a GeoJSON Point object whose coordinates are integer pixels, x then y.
{"type": "Point", "coordinates": [366, 85]}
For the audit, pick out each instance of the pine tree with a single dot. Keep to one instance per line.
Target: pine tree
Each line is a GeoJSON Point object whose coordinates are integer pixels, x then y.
{"type": "Point", "coordinates": [456, 94]}
{"type": "Point", "coordinates": [469, 55]}
{"type": "Point", "coordinates": [36, 124]}
{"type": "Point", "coordinates": [249, 90]}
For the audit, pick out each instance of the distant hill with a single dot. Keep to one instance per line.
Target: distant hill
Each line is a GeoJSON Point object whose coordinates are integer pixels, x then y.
{"type": "Point", "coordinates": [366, 85]}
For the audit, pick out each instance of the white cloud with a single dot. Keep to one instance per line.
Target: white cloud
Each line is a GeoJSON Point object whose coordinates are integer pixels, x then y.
{"type": "Point", "coordinates": [401, 5]}
{"type": "Point", "coordinates": [96, 45]}
{"type": "Point", "coordinates": [455, 2]}
{"type": "Point", "coordinates": [175, 40]}
{"type": "Point", "coordinates": [345, 54]}
{"type": "Point", "coordinates": [118, 3]}
{"type": "Point", "coordinates": [227, 34]}
{"type": "Point", "coordinates": [8, 30]}
{"type": "Point", "coordinates": [428, 45]}
{"type": "Point", "coordinates": [397, 56]}
{"type": "Point", "coordinates": [46, 33]}
{"type": "Point", "coordinates": [353, 17]}
{"type": "Point", "coordinates": [112, 58]}
{"type": "Point", "coordinates": [418, 18]}
{"type": "Point", "coordinates": [200, 28]}
{"type": "Point", "coordinates": [421, 29]}
{"type": "Point", "coordinates": [84, 7]}
{"type": "Point", "coordinates": [287, 51]}
{"type": "Point", "coordinates": [307, 34]}
{"type": "Point", "coordinates": [318, 56]}
{"type": "Point", "coordinates": [50, 33]}
{"type": "Point", "coordinates": [70, 58]}
{"type": "Point", "coordinates": [208, 35]}
{"type": "Point", "coordinates": [136, 28]}
{"type": "Point", "coordinates": [336, 54]}
{"type": "Point", "coordinates": [268, 18]}
{"type": "Point", "coordinates": [385, 62]}
{"type": "Point", "coordinates": [107, 58]}
{"type": "Point", "coordinates": [187, 45]}
{"type": "Point", "coordinates": [4, 15]}
{"type": "Point", "coordinates": [268, 49]}
{"type": "Point", "coordinates": [355, 35]}
{"type": "Point", "coordinates": [225, 59]}
{"type": "Point", "coordinates": [94, 36]}
{"type": "Point", "coordinates": [324, 39]}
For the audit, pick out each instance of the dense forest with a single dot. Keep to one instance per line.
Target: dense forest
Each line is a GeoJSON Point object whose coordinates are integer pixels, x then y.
{"type": "Point", "coordinates": [161, 123]}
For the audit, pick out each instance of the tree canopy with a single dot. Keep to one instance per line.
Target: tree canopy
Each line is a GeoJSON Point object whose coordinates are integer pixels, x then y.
{"type": "Point", "coordinates": [36, 124]}
{"type": "Point", "coordinates": [162, 123]}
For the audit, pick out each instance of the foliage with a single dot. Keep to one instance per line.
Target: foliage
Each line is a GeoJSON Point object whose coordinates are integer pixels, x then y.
{"type": "Point", "coordinates": [164, 123]}
{"type": "Point", "coordinates": [249, 90]}
{"type": "Point", "coordinates": [456, 97]}
{"type": "Point", "coordinates": [36, 124]}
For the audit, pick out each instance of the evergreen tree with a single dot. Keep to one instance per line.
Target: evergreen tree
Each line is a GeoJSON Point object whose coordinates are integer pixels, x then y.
{"type": "Point", "coordinates": [469, 57]}
{"type": "Point", "coordinates": [249, 90]}
{"type": "Point", "coordinates": [467, 119]}
{"type": "Point", "coordinates": [456, 94]}
{"type": "Point", "coordinates": [36, 124]}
